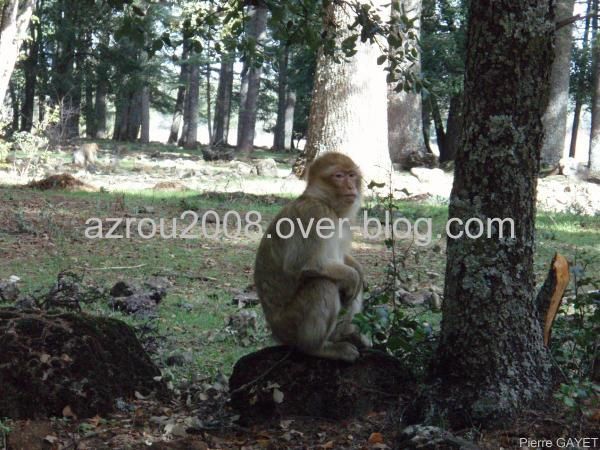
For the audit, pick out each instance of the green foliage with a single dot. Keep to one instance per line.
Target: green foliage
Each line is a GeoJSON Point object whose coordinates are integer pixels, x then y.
{"type": "Point", "coordinates": [575, 344]}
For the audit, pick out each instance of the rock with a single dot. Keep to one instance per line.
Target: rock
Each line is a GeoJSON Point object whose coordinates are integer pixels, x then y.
{"type": "Point", "coordinates": [435, 302]}
{"type": "Point", "coordinates": [133, 299]}
{"type": "Point", "coordinates": [266, 167]}
{"type": "Point", "coordinates": [243, 168]}
{"type": "Point", "coordinates": [425, 175]}
{"type": "Point", "coordinates": [218, 153]}
{"type": "Point", "coordinates": [431, 438]}
{"type": "Point", "coordinates": [417, 159]}
{"type": "Point", "coordinates": [52, 361]}
{"type": "Point", "coordinates": [278, 381]}
{"type": "Point", "coordinates": [413, 298]}
{"type": "Point", "coordinates": [9, 291]}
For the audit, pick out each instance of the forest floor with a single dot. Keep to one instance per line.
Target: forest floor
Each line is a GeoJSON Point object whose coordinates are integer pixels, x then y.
{"type": "Point", "coordinates": [199, 325]}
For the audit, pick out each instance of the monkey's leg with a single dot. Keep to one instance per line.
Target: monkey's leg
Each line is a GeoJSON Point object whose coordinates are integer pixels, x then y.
{"type": "Point", "coordinates": [346, 330]}
{"type": "Point", "coordinates": [320, 301]}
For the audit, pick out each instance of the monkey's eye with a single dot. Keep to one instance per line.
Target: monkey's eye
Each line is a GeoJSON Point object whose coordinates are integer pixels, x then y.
{"type": "Point", "coordinates": [338, 175]}
{"type": "Point", "coordinates": [352, 175]}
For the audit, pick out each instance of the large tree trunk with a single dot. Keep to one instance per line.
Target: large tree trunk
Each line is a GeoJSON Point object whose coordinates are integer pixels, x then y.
{"type": "Point", "coordinates": [348, 112]}
{"type": "Point", "coordinates": [580, 87]}
{"type": "Point", "coordinates": [100, 109]}
{"type": "Point", "coordinates": [594, 150]}
{"type": "Point", "coordinates": [257, 26]}
{"type": "Point", "coordinates": [279, 141]}
{"type": "Point", "coordinates": [14, 23]}
{"type": "Point", "coordinates": [491, 360]}
{"type": "Point", "coordinates": [180, 101]}
{"type": "Point", "coordinates": [135, 116]}
{"type": "Point", "coordinates": [15, 104]}
{"type": "Point", "coordinates": [90, 117]}
{"type": "Point", "coordinates": [405, 119]}
{"type": "Point", "coordinates": [290, 110]}
{"type": "Point", "coordinates": [555, 117]}
{"type": "Point", "coordinates": [223, 102]}
{"type": "Point", "coordinates": [145, 115]}
{"type": "Point", "coordinates": [208, 104]}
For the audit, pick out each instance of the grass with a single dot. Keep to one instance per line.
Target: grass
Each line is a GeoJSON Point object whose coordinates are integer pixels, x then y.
{"type": "Point", "coordinates": [42, 233]}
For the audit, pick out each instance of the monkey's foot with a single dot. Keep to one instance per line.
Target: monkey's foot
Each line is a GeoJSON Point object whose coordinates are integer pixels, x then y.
{"type": "Point", "coordinates": [338, 350]}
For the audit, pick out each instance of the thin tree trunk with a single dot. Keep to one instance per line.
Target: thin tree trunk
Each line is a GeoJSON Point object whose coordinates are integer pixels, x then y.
{"type": "Point", "coordinates": [14, 103]}
{"type": "Point", "coordinates": [491, 361]}
{"type": "Point", "coordinates": [14, 23]}
{"type": "Point", "coordinates": [243, 99]}
{"type": "Point", "coordinates": [208, 104]}
{"type": "Point", "coordinates": [190, 138]}
{"type": "Point", "coordinates": [405, 119]}
{"type": "Point", "coordinates": [439, 125]}
{"type": "Point", "coordinates": [348, 110]}
{"type": "Point", "coordinates": [257, 26]}
{"type": "Point", "coordinates": [579, 90]}
{"type": "Point", "coordinates": [31, 70]}
{"type": "Point", "coordinates": [223, 102]}
{"type": "Point", "coordinates": [180, 101]}
{"type": "Point", "coordinates": [454, 124]}
{"type": "Point", "coordinates": [594, 149]}
{"type": "Point", "coordinates": [555, 117]}
{"type": "Point", "coordinates": [100, 109]}
{"type": "Point", "coordinates": [90, 117]}
{"type": "Point", "coordinates": [290, 109]}
{"type": "Point", "coordinates": [279, 141]}
{"type": "Point", "coordinates": [145, 115]}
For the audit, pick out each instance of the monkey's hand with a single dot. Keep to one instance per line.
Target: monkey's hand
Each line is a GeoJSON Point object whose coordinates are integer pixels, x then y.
{"type": "Point", "coordinates": [350, 261]}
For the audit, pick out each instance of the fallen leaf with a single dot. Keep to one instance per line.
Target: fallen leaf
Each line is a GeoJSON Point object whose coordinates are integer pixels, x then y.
{"type": "Point", "coordinates": [327, 445]}
{"type": "Point", "coordinates": [376, 438]}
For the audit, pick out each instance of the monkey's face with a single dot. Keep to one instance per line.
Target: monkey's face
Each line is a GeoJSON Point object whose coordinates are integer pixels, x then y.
{"type": "Point", "coordinates": [346, 185]}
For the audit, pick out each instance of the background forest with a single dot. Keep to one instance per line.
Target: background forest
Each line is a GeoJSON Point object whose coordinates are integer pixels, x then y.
{"type": "Point", "coordinates": [151, 110]}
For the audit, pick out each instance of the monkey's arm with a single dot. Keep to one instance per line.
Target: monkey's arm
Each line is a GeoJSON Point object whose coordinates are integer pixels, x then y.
{"type": "Point", "coordinates": [350, 261]}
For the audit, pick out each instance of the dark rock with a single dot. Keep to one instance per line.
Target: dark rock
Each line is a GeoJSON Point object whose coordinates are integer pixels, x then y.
{"type": "Point", "coordinates": [132, 299]}
{"type": "Point", "coordinates": [9, 291]}
{"type": "Point", "coordinates": [278, 381]}
{"type": "Point", "coordinates": [53, 360]}
{"type": "Point", "coordinates": [123, 289]}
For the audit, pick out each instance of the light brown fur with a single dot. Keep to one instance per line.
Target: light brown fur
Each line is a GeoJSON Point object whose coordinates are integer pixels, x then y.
{"type": "Point", "coordinates": [86, 155]}
{"type": "Point", "coordinates": [305, 283]}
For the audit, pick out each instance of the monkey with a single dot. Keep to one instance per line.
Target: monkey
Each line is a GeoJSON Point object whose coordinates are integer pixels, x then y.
{"type": "Point", "coordinates": [85, 156]}
{"type": "Point", "coordinates": [309, 286]}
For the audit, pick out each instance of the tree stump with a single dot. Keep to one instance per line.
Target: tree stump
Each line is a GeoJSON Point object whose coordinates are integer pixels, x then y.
{"type": "Point", "coordinates": [279, 381]}
{"type": "Point", "coordinates": [52, 361]}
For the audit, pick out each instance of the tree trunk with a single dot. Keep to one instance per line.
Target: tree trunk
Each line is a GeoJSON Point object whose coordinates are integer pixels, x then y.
{"type": "Point", "coordinates": [405, 120]}
{"type": "Point", "coordinates": [426, 121]}
{"type": "Point", "coordinates": [439, 126]}
{"type": "Point", "coordinates": [31, 70]}
{"type": "Point", "coordinates": [580, 89]}
{"type": "Point", "coordinates": [555, 117]}
{"type": "Point", "coordinates": [145, 116]}
{"type": "Point", "coordinates": [180, 101]}
{"type": "Point", "coordinates": [90, 118]}
{"type": "Point", "coordinates": [223, 102]}
{"type": "Point", "coordinates": [348, 110]}
{"type": "Point", "coordinates": [594, 150]}
{"type": "Point", "coordinates": [14, 23]}
{"type": "Point", "coordinates": [454, 126]}
{"type": "Point", "coordinates": [257, 26]}
{"type": "Point", "coordinates": [290, 109]}
{"type": "Point", "coordinates": [100, 109]}
{"type": "Point", "coordinates": [491, 360]}
{"type": "Point", "coordinates": [279, 141]}
{"type": "Point", "coordinates": [190, 118]}
{"type": "Point", "coordinates": [15, 105]}
{"type": "Point", "coordinates": [208, 104]}
{"type": "Point", "coordinates": [134, 121]}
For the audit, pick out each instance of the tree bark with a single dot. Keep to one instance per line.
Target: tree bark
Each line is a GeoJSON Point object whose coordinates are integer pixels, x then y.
{"type": "Point", "coordinates": [579, 90]}
{"type": "Point", "coordinates": [14, 23]}
{"type": "Point", "coordinates": [180, 101]}
{"type": "Point", "coordinates": [439, 126]}
{"type": "Point", "coordinates": [190, 117]}
{"type": "Point", "coordinates": [31, 70]}
{"type": "Point", "coordinates": [454, 127]}
{"type": "Point", "coordinates": [100, 109]}
{"type": "Point", "coordinates": [223, 102]}
{"type": "Point", "coordinates": [208, 104]}
{"type": "Point", "coordinates": [594, 150]}
{"type": "Point", "coordinates": [279, 141]}
{"type": "Point", "coordinates": [90, 117]}
{"type": "Point", "coordinates": [15, 105]}
{"type": "Point", "coordinates": [405, 119]}
{"type": "Point", "coordinates": [348, 111]}
{"type": "Point", "coordinates": [290, 110]}
{"type": "Point", "coordinates": [257, 26]}
{"type": "Point", "coordinates": [145, 115]}
{"type": "Point", "coordinates": [491, 360]}
{"type": "Point", "coordinates": [555, 117]}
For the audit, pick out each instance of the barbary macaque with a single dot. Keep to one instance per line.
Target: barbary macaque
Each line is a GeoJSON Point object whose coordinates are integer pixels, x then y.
{"type": "Point", "coordinates": [85, 156]}
{"type": "Point", "coordinates": [308, 284]}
